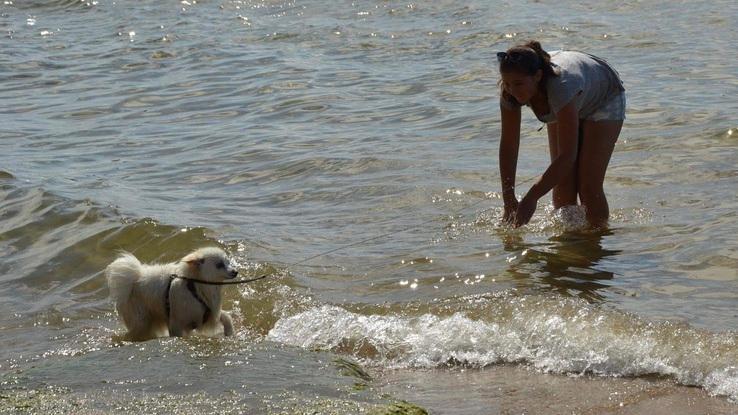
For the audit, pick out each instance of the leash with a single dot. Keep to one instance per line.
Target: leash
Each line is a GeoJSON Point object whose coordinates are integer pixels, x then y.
{"type": "Point", "coordinates": [173, 276]}
{"type": "Point", "coordinates": [409, 228]}
{"type": "Point", "coordinates": [340, 248]}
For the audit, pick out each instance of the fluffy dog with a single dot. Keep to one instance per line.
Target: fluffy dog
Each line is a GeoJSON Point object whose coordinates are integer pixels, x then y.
{"type": "Point", "coordinates": [160, 299]}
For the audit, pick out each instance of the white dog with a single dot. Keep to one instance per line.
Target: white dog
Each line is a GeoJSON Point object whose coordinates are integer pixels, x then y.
{"type": "Point", "coordinates": [161, 299]}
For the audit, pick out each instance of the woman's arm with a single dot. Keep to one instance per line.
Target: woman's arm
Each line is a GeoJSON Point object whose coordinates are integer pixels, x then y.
{"type": "Point", "coordinates": [567, 120]}
{"type": "Point", "coordinates": [509, 145]}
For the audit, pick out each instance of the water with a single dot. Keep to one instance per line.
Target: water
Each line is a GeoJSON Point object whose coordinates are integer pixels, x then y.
{"type": "Point", "coordinates": [368, 130]}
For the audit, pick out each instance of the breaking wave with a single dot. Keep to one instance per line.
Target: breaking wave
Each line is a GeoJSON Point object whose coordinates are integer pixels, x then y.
{"type": "Point", "coordinates": [551, 334]}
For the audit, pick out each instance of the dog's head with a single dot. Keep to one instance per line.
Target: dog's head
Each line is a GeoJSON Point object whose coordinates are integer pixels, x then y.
{"type": "Point", "coordinates": [210, 264]}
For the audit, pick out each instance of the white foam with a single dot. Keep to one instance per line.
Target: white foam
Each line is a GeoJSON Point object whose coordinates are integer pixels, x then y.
{"type": "Point", "coordinates": [723, 382]}
{"type": "Point", "coordinates": [552, 335]}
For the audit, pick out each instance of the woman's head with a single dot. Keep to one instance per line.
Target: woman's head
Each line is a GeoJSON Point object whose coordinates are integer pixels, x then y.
{"type": "Point", "coordinates": [524, 70]}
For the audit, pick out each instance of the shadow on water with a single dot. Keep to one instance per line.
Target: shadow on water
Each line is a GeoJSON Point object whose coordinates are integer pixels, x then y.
{"type": "Point", "coordinates": [570, 264]}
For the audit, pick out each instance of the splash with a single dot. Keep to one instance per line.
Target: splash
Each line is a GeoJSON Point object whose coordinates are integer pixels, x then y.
{"type": "Point", "coordinates": [551, 334]}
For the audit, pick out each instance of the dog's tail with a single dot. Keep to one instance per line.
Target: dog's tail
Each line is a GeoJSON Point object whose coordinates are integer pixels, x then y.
{"type": "Point", "coordinates": [121, 275]}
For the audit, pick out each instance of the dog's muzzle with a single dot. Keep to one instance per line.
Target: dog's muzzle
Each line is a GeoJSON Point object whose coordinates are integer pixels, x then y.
{"type": "Point", "coordinates": [232, 274]}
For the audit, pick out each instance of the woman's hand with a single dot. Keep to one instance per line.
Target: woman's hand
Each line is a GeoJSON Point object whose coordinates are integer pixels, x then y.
{"type": "Point", "coordinates": [511, 207]}
{"type": "Point", "coordinates": [526, 208]}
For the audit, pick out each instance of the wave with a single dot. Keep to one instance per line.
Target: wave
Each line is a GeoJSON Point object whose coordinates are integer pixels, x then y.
{"type": "Point", "coordinates": [55, 249]}
{"type": "Point", "coordinates": [550, 333]}
{"type": "Point", "coordinates": [53, 4]}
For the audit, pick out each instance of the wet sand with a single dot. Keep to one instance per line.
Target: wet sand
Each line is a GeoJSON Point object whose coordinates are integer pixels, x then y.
{"type": "Point", "coordinates": [517, 390]}
{"type": "Point", "coordinates": [504, 390]}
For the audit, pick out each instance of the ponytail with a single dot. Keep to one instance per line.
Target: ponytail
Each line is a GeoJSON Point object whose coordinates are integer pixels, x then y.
{"type": "Point", "coordinates": [544, 57]}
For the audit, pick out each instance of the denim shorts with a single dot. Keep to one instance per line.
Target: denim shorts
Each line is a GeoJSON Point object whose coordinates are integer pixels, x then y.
{"type": "Point", "coordinates": [612, 110]}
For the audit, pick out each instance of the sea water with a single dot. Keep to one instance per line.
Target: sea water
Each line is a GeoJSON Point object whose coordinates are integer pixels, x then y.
{"type": "Point", "coordinates": [349, 151]}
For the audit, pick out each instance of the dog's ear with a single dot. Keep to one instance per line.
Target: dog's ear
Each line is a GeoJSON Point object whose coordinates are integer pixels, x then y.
{"type": "Point", "coordinates": [193, 261]}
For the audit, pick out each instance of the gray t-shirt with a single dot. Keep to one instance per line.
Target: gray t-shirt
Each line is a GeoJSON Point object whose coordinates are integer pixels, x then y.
{"type": "Point", "coordinates": [584, 78]}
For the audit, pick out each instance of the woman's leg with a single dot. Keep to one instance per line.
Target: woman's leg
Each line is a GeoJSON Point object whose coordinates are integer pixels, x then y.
{"type": "Point", "coordinates": [564, 193]}
{"type": "Point", "coordinates": [596, 146]}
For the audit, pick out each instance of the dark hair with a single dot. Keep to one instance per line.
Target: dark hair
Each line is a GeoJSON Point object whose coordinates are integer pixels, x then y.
{"type": "Point", "coordinates": [526, 59]}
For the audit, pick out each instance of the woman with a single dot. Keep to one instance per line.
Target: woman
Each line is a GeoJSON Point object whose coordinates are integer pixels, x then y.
{"type": "Point", "coordinates": [582, 101]}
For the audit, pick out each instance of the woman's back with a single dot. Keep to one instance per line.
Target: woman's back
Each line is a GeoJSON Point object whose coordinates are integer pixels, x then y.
{"type": "Point", "coordinates": [587, 79]}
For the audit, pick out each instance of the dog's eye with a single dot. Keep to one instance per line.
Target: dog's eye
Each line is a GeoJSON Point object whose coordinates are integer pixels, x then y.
{"type": "Point", "coordinates": [220, 265]}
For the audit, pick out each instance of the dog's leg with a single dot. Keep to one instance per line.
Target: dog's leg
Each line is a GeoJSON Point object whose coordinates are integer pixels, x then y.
{"type": "Point", "coordinates": [225, 319]}
{"type": "Point", "coordinates": [180, 326]}
{"type": "Point", "coordinates": [176, 332]}
{"type": "Point", "coordinates": [137, 320]}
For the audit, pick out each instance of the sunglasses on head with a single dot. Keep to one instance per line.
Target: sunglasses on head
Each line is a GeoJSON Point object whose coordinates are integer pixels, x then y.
{"type": "Point", "coordinates": [512, 57]}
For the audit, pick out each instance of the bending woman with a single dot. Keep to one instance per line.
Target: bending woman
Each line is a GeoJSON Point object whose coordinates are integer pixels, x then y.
{"type": "Point", "coordinates": [582, 101]}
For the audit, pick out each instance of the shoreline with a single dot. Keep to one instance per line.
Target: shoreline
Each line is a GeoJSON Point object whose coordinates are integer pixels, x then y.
{"type": "Point", "coordinates": [512, 389]}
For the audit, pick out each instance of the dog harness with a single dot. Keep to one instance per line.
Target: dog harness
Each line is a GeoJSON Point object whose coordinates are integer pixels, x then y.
{"type": "Point", "coordinates": [191, 288]}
